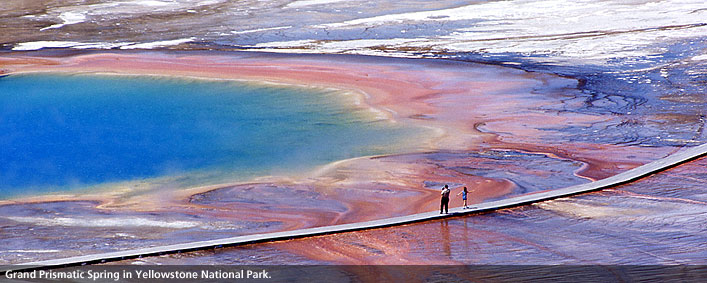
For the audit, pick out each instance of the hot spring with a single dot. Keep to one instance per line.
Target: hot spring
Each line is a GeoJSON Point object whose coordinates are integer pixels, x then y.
{"type": "Point", "coordinates": [62, 132]}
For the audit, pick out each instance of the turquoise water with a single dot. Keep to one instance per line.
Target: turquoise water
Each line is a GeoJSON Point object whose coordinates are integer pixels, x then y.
{"type": "Point", "coordinates": [60, 132]}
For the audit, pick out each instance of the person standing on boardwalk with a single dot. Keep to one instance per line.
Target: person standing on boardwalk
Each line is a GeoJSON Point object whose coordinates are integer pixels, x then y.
{"type": "Point", "coordinates": [464, 193]}
{"type": "Point", "coordinates": [445, 200]}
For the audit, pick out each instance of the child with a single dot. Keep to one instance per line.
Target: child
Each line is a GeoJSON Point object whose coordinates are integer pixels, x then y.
{"type": "Point", "coordinates": [464, 193]}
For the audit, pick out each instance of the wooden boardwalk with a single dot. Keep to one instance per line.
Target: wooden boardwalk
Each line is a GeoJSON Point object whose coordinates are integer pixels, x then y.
{"type": "Point", "coordinates": [622, 178]}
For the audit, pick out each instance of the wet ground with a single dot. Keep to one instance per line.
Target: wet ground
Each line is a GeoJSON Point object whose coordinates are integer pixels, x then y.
{"type": "Point", "coordinates": [655, 221]}
{"type": "Point", "coordinates": [641, 75]}
{"type": "Point", "coordinates": [46, 230]}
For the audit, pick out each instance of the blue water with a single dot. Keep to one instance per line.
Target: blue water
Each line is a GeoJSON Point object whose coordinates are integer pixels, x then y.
{"type": "Point", "coordinates": [60, 132]}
